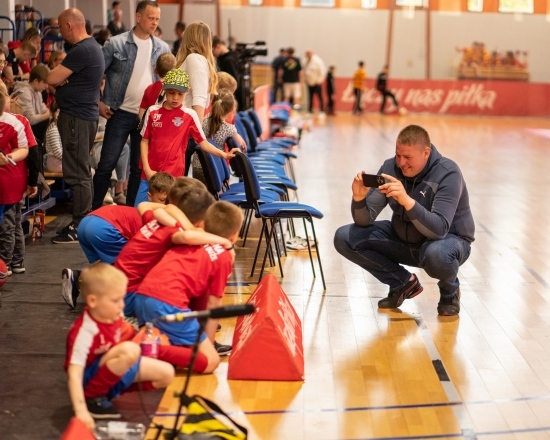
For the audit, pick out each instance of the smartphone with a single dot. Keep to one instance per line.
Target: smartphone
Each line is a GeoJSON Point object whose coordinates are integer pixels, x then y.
{"type": "Point", "coordinates": [373, 180]}
{"type": "Point", "coordinates": [10, 160]}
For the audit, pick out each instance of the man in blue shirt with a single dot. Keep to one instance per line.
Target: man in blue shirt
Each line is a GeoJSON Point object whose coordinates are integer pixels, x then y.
{"type": "Point", "coordinates": [77, 80]}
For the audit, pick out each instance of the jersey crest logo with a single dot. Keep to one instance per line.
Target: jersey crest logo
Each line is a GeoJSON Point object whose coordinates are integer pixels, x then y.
{"type": "Point", "coordinates": [177, 121]}
{"type": "Point", "coordinates": [156, 117]}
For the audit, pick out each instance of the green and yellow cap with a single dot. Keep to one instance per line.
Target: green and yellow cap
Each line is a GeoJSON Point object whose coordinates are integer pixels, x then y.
{"type": "Point", "coordinates": [176, 79]}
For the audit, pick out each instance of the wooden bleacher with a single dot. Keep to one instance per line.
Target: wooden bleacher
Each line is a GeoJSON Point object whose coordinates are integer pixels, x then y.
{"type": "Point", "coordinates": [506, 73]}
{"type": "Point", "coordinates": [61, 191]}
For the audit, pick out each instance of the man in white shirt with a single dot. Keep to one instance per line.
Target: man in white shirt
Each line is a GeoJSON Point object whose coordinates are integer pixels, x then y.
{"type": "Point", "coordinates": [130, 60]}
{"type": "Point", "coordinates": [314, 74]}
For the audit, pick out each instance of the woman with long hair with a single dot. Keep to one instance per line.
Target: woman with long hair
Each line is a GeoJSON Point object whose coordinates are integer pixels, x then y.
{"type": "Point", "coordinates": [196, 58]}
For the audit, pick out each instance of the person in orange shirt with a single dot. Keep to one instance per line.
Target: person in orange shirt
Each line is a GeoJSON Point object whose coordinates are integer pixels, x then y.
{"type": "Point", "coordinates": [359, 78]}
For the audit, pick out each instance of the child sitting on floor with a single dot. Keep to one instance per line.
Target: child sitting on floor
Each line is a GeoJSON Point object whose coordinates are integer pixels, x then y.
{"type": "Point", "coordinates": [99, 364]}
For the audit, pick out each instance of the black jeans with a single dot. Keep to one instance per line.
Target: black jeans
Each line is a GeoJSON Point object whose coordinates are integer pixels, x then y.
{"type": "Point", "coordinates": [357, 104]}
{"type": "Point", "coordinates": [191, 145]}
{"type": "Point", "coordinates": [315, 90]}
{"type": "Point", "coordinates": [119, 126]}
{"type": "Point", "coordinates": [77, 137]}
{"type": "Point", "coordinates": [385, 94]}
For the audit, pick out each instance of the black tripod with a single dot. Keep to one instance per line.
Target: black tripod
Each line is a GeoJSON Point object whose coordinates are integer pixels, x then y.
{"type": "Point", "coordinates": [173, 434]}
{"type": "Point", "coordinates": [243, 92]}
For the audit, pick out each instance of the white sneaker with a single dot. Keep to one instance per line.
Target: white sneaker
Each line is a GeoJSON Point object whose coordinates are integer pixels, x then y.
{"type": "Point", "coordinates": [299, 243]}
{"type": "Point", "coordinates": [108, 199]}
{"type": "Point", "coordinates": [69, 286]}
{"type": "Point", "coordinates": [120, 199]}
{"type": "Point", "coordinates": [133, 321]}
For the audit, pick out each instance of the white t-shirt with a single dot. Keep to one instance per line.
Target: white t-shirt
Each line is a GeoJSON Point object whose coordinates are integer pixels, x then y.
{"type": "Point", "coordinates": [196, 67]}
{"type": "Point", "coordinates": [142, 76]}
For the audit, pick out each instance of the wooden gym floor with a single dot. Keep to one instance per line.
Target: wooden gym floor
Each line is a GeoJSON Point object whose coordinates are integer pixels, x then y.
{"type": "Point", "coordinates": [408, 373]}
{"type": "Point", "coordinates": [405, 374]}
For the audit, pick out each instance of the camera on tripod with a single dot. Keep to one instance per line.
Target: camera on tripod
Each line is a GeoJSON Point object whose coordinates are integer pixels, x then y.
{"type": "Point", "coordinates": [246, 52]}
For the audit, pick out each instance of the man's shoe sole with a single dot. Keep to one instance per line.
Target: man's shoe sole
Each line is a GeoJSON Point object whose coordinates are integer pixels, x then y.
{"type": "Point", "coordinates": [59, 241]}
{"type": "Point", "coordinates": [67, 287]}
{"type": "Point", "coordinates": [106, 416]}
{"type": "Point", "coordinates": [412, 291]}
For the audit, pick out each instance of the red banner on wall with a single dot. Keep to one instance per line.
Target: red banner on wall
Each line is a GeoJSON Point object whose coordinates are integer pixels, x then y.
{"type": "Point", "coordinates": [453, 97]}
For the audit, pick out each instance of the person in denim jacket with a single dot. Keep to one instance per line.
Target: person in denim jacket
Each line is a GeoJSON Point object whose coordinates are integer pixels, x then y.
{"type": "Point", "coordinates": [130, 60]}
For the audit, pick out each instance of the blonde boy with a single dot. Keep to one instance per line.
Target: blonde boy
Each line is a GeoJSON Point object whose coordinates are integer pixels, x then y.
{"type": "Point", "coordinates": [99, 364]}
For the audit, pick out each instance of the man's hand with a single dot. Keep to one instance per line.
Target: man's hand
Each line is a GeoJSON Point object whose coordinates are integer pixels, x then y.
{"type": "Point", "coordinates": [395, 189]}
{"type": "Point", "coordinates": [32, 191]}
{"type": "Point", "coordinates": [3, 159]}
{"type": "Point", "coordinates": [358, 188]}
{"type": "Point", "coordinates": [104, 110]}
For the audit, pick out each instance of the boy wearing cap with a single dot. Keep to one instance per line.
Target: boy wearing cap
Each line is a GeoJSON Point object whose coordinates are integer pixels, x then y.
{"type": "Point", "coordinates": [166, 131]}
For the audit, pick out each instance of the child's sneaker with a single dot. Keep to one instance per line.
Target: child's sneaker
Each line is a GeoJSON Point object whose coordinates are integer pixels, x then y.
{"type": "Point", "coordinates": [133, 321]}
{"type": "Point", "coordinates": [101, 408]}
{"type": "Point", "coordinates": [69, 286]}
{"type": "Point", "coordinates": [7, 273]}
{"type": "Point", "coordinates": [17, 268]}
{"type": "Point", "coordinates": [299, 244]}
{"type": "Point", "coordinates": [223, 350]}
{"type": "Point", "coordinates": [67, 235]}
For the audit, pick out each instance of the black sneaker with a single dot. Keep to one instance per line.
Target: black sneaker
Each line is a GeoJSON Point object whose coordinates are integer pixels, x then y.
{"type": "Point", "coordinates": [223, 350]}
{"type": "Point", "coordinates": [101, 408]}
{"type": "Point", "coordinates": [449, 306]}
{"type": "Point", "coordinates": [62, 230]}
{"type": "Point", "coordinates": [66, 236]}
{"type": "Point", "coordinates": [395, 298]}
{"type": "Point", "coordinates": [69, 286]}
{"type": "Point", "coordinates": [17, 268]}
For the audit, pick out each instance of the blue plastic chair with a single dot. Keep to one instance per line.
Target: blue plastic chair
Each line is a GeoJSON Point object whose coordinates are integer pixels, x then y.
{"type": "Point", "coordinates": [274, 212]}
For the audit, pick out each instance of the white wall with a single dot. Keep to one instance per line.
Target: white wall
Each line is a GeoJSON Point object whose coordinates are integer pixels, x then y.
{"type": "Point", "coordinates": [7, 9]}
{"type": "Point", "coordinates": [168, 18]}
{"type": "Point", "coordinates": [408, 52]}
{"type": "Point", "coordinates": [340, 37]}
{"type": "Point", "coordinates": [49, 8]}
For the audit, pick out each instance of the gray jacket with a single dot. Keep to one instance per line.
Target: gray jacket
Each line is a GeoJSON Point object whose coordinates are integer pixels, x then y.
{"type": "Point", "coordinates": [30, 101]}
{"type": "Point", "coordinates": [120, 54]}
{"type": "Point", "coordinates": [442, 206]}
